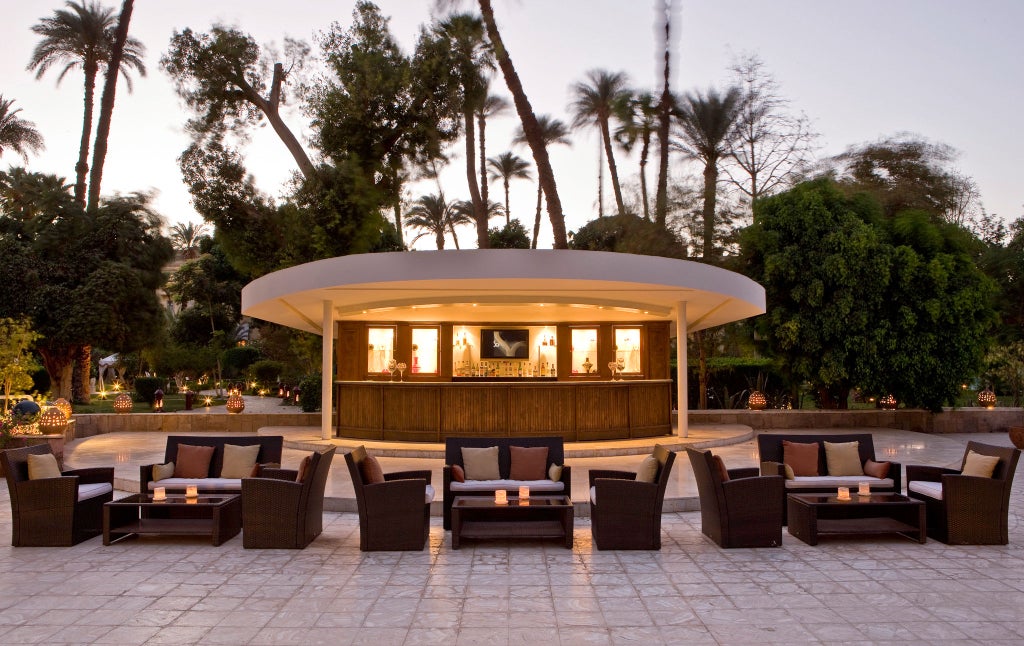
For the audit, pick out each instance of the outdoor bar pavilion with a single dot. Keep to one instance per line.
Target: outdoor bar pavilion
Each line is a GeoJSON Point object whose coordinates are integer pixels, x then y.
{"type": "Point", "coordinates": [501, 342]}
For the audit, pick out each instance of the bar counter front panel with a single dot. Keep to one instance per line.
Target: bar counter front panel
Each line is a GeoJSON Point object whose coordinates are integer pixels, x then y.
{"type": "Point", "coordinates": [432, 411]}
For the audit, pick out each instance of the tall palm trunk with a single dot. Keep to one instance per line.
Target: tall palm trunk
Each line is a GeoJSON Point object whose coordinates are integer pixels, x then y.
{"type": "Point", "coordinates": [664, 115]}
{"type": "Point", "coordinates": [507, 216]}
{"type": "Point", "coordinates": [643, 174]}
{"type": "Point", "coordinates": [708, 214]}
{"type": "Point", "coordinates": [479, 208]}
{"type": "Point", "coordinates": [481, 121]}
{"type": "Point", "coordinates": [99, 153]}
{"type": "Point", "coordinates": [82, 166]}
{"type": "Point", "coordinates": [531, 129]}
{"type": "Point", "coordinates": [613, 171]}
{"type": "Point", "coordinates": [398, 219]}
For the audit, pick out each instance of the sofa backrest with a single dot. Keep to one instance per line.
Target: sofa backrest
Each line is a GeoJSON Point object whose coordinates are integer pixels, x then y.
{"type": "Point", "coordinates": [453, 449]}
{"type": "Point", "coordinates": [270, 447]}
{"type": "Point", "coordinates": [769, 445]}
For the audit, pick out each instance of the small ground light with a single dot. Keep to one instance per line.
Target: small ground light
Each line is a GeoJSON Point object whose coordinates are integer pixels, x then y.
{"type": "Point", "coordinates": [757, 401]}
{"type": "Point", "coordinates": [987, 398]}
{"type": "Point", "coordinates": [888, 402]}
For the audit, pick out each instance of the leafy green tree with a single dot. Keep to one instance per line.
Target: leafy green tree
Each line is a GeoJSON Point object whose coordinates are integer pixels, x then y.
{"type": "Point", "coordinates": [708, 126]}
{"type": "Point", "coordinates": [511, 236]}
{"type": "Point", "coordinates": [855, 299]}
{"type": "Point", "coordinates": [549, 131]}
{"type": "Point", "coordinates": [16, 362]}
{"type": "Point", "coordinates": [628, 234]}
{"type": "Point", "coordinates": [602, 97]}
{"type": "Point", "coordinates": [16, 134]}
{"type": "Point", "coordinates": [508, 166]}
{"type": "Point", "coordinates": [82, 37]}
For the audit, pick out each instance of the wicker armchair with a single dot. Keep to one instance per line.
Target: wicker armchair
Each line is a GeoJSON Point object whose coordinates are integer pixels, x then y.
{"type": "Point", "coordinates": [626, 514]}
{"type": "Point", "coordinates": [55, 511]}
{"type": "Point", "coordinates": [395, 514]}
{"type": "Point", "coordinates": [278, 512]}
{"type": "Point", "coordinates": [743, 511]}
{"type": "Point", "coordinates": [968, 510]}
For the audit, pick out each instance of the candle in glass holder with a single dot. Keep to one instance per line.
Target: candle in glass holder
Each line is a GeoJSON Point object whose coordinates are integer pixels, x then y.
{"type": "Point", "coordinates": [191, 491]}
{"type": "Point", "coordinates": [160, 493]}
{"type": "Point", "coordinates": [844, 493]}
{"type": "Point", "coordinates": [524, 493]}
{"type": "Point", "coordinates": [500, 497]}
{"type": "Point", "coordinates": [864, 489]}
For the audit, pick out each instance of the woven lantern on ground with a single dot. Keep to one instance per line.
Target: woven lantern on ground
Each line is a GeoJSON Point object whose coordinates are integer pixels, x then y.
{"type": "Point", "coordinates": [123, 403]}
{"type": "Point", "coordinates": [64, 406]}
{"type": "Point", "coordinates": [987, 398]}
{"type": "Point", "coordinates": [235, 404]}
{"type": "Point", "coordinates": [888, 402]}
{"type": "Point", "coordinates": [52, 421]}
{"type": "Point", "coordinates": [757, 401]}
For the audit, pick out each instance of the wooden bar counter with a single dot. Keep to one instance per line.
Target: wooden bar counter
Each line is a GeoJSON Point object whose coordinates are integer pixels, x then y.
{"type": "Point", "coordinates": [576, 410]}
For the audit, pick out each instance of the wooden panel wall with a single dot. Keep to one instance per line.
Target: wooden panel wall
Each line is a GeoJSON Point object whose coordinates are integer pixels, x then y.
{"type": "Point", "coordinates": [649, 404]}
{"type": "Point", "coordinates": [474, 410]}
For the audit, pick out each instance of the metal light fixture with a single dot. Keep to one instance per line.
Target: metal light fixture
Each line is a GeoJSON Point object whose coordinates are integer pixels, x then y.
{"type": "Point", "coordinates": [757, 400]}
{"type": "Point", "coordinates": [888, 402]}
{"type": "Point", "coordinates": [64, 406]}
{"type": "Point", "coordinates": [123, 403]}
{"type": "Point", "coordinates": [987, 398]}
{"type": "Point", "coordinates": [235, 404]}
{"type": "Point", "coordinates": [53, 421]}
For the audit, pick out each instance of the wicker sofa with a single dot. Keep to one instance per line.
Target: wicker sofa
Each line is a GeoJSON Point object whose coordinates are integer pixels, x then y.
{"type": "Point", "coordinates": [770, 448]}
{"type": "Point", "coordinates": [269, 457]}
{"type": "Point", "coordinates": [453, 456]}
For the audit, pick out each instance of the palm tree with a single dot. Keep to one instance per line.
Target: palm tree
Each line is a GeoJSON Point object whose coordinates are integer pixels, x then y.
{"type": "Point", "coordinates": [532, 133]}
{"type": "Point", "coordinates": [17, 134]}
{"type": "Point", "coordinates": [552, 131]}
{"type": "Point", "coordinates": [708, 126]}
{"type": "Point", "coordinates": [508, 166]}
{"type": "Point", "coordinates": [641, 123]}
{"type": "Point", "coordinates": [492, 106]}
{"type": "Point", "coordinates": [82, 36]}
{"type": "Point", "coordinates": [471, 55]}
{"type": "Point", "coordinates": [606, 96]}
{"type": "Point", "coordinates": [185, 239]}
{"type": "Point", "coordinates": [431, 214]}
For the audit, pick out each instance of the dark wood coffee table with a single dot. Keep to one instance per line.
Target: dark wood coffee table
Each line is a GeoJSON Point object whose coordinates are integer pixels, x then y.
{"type": "Point", "coordinates": [814, 515]}
{"type": "Point", "coordinates": [218, 516]}
{"type": "Point", "coordinates": [479, 517]}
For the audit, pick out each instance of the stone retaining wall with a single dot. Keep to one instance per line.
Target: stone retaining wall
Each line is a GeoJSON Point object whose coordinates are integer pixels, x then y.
{"type": "Point", "coordinates": [96, 424]}
{"type": "Point", "coordinates": [959, 420]}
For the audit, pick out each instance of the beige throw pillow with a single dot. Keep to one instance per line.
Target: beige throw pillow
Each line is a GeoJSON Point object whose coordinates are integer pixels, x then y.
{"type": "Point", "coordinates": [43, 466]}
{"type": "Point", "coordinates": [163, 471]}
{"type": "Point", "coordinates": [843, 459]}
{"type": "Point", "coordinates": [555, 472]}
{"type": "Point", "coordinates": [976, 464]}
{"type": "Point", "coordinates": [648, 470]}
{"type": "Point", "coordinates": [239, 460]}
{"type": "Point", "coordinates": [481, 464]}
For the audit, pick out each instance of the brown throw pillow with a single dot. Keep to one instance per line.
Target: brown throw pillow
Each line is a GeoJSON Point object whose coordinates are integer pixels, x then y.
{"type": "Point", "coordinates": [458, 473]}
{"type": "Point", "coordinates": [528, 463]}
{"type": "Point", "coordinates": [720, 465]}
{"type": "Point", "coordinates": [193, 461]}
{"type": "Point", "coordinates": [878, 470]}
{"type": "Point", "coordinates": [802, 457]}
{"type": "Point", "coordinates": [304, 469]}
{"type": "Point", "coordinates": [371, 471]}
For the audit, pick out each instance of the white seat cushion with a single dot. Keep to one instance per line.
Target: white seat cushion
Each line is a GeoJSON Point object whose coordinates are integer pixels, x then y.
{"type": "Point", "coordinates": [821, 482]}
{"type": "Point", "coordinates": [926, 488]}
{"type": "Point", "coordinates": [430, 494]}
{"type": "Point", "coordinates": [494, 485]}
{"type": "Point", "coordinates": [86, 491]}
{"type": "Point", "coordinates": [233, 485]}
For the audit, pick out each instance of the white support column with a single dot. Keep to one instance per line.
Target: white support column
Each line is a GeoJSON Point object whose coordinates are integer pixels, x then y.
{"type": "Point", "coordinates": [682, 376]}
{"type": "Point", "coordinates": [327, 371]}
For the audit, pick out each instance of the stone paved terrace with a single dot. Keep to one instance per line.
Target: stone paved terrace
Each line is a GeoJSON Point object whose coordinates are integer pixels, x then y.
{"type": "Point", "coordinates": [165, 590]}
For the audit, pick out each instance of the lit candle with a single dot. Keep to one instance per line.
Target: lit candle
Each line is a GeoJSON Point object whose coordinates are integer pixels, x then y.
{"type": "Point", "coordinates": [844, 493]}
{"type": "Point", "coordinates": [191, 491]}
{"type": "Point", "coordinates": [500, 497]}
{"type": "Point", "coordinates": [864, 489]}
{"type": "Point", "coordinates": [524, 493]}
{"type": "Point", "coordinates": [160, 493]}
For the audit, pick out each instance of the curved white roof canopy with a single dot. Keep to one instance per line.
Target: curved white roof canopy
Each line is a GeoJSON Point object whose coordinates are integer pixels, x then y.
{"type": "Point", "coordinates": [502, 285]}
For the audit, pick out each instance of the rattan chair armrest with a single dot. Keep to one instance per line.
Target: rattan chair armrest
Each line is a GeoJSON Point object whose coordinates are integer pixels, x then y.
{"type": "Point", "coordinates": [754, 490]}
{"type": "Point", "coordinates": [928, 473]}
{"type": "Point", "coordinates": [278, 474]}
{"type": "Point", "coordinates": [622, 495]}
{"type": "Point", "coordinates": [92, 475]}
{"type": "Point", "coordinates": [773, 469]}
{"type": "Point", "coordinates": [964, 489]}
{"type": "Point", "coordinates": [47, 493]}
{"type": "Point", "coordinates": [395, 496]}
{"type": "Point", "coordinates": [896, 474]}
{"type": "Point", "coordinates": [407, 475]}
{"type": "Point", "coordinates": [257, 494]}
{"type": "Point", "coordinates": [743, 472]}
{"type": "Point", "coordinates": [594, 474]}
